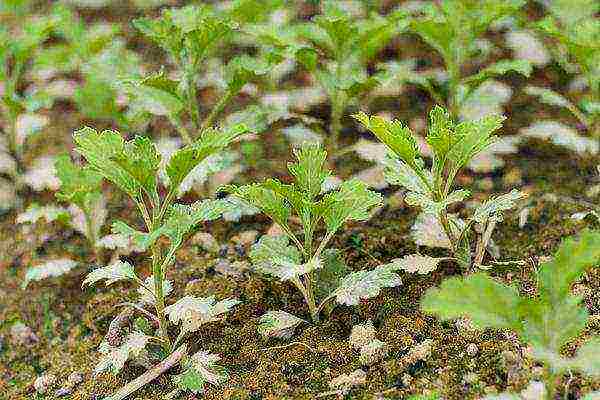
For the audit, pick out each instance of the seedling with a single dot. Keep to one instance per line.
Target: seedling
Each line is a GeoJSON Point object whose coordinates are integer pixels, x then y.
{"type": "Point", "coordinates": [432, 190]}
{"type": "Point", "coordinates": [546, 322]}
{"type": "Point", "coordinates": [455, 29]}
{"type": "Point", "coordinates": [309, 264]}
{"type": "Point", "coordinates": [337, 47]}
{"type": "Point", "coordinates": [189, 35]}
{"type": "Point", "coordinates": [17, 50]}
{"type": "Point", "coordinates": [574, 30]}
{"type": "Point", "coordinates": [133, 166]}
{"type": "Point", "coordinates": [96, 53]}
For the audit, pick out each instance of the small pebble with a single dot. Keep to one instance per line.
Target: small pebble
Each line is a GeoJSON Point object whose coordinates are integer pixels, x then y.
{"type": "Point", "coordinates": [362, 335]}
{"type": "Point", "coordinates": [206, 241]}
{"type": "Point", "coordinates": [43, 383]}
{"type": "Point", "coordinates": [23, 335]}
{"type": "Point", "coordinates": [472, 349]}
{"type": "Point", "coordinates": [372, 352]}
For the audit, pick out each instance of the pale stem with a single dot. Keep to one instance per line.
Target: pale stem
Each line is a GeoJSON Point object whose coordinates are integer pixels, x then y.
{"type": "Point", "coordinates": [150, 375]}
{"type": "Point", "coordinates": [217, 109]}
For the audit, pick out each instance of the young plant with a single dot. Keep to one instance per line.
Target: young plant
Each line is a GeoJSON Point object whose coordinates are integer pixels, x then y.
{"type": "Point", "coordinates": [574, 29]}
{"type": "Point", "coordinates": [455, 29]}
{"type": "Point", "coordinates": [133, 166]}
{"type": "Point", "coordinates": [99, 56]}
{"type": "Point", "coordinates": [337, 47]}
{"type": "Point", "coordinates": [308, 263]}
{"type": "Point", "coordinates": [17, 50]}
{"type": "Point", "coordinates": [189, 35]}
{"type": "Point", "coordinates": [453, 145]}
{"type": "Point", "coordinates": [546, 322]}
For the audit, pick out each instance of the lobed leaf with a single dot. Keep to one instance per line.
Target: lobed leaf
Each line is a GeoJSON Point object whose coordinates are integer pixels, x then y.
{"type": "Point", "coordinates": [353, 201]}
{"type": "Point", "coordinates": [192, 312]}
{"type": "Point", "coordinates": [495, 206]}
{"type": "Point", "coordinates": [200, 369]}
{"type": "Point", "coordinates": [77, 184]}
{"type": "Point", "coordinates": [486, 302]}
{"type": "Point", "coordinates": [365, 284]}
{"type": "Point", "coordinates": [273, 255]}
{"type": "Point", "coordinates": [117, 271]}
{"type": "Point", "coordinates": [278, 324]}
{"type": "Point", "coordinates": [309, 171]}
{"type": "Point", "coordinates": [114, 358]}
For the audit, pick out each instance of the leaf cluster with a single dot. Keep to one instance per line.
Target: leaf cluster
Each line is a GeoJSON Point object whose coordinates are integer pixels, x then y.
{"type": "Point", "coordinates": [453, 146]}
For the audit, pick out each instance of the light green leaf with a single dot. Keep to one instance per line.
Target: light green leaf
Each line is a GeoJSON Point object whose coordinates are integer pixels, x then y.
{"type": "Point", "coordinates": [156, 94]}
{"type": "Point", "coordinates": [114, 358]}
{"type": "Point", "coordinates": [243, 69]}
{"type": "Point", "coordinates": [268, 201]}
{"type": "Point", "coordinates": [365, 284]}
{"type": "Point", "coordinates": [309, 171]}
{"type": "Point", "coordinates": [501, 67]}
{"type": "Point", "coordinates": [417, 263]}
{"type": "Point", "coordinates": [77, 185]}
{"type": "Point", "coordinates": [49, 269]}
{"type": "Point", "coordinates": [353, 201]}
{"type": "Point", "coordinates": [399, 173]}
{"type": "Point", "coordinates": [274, 255]}
{"type": "Point", "coordinates": [393, 134]}
{"type": "Point", "coordinates": [192, 312]}
{"type": "Point", "coordinates": [429, 206]}
{"type": "Point", "coordinates": [117, 271]}
{"type": "Point", "coordinates": [495, 206]}
{"type": "Point", "coordinates": [331, 273]}
{"type": "Point", "coordinates": [475, 136]}
{"type": "Point", "coordinates": [486, 302]}
{"type": "Point", "coordinates": [132, 165]}
{"type": "Point", "coordinates": [183, 218]}
{"type": "Point", "coordinates": [142, 240]}
{"type": "Point", "coordinates": [278, 324]}
{"type": "Point", "coordinates": [200, 369]}
{"type": "Point", "coordinates": [211, 142]}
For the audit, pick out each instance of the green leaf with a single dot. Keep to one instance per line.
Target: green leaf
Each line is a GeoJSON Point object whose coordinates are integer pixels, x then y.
{"type": "Point", "coordinates": [330, 275]}
{"type": "Point", "coordinates": [211, 142]}
{"type": "Point", "coordinates": [501, 67]}
{"type": "Point", "coordinates": [495, 206]}
{"type": "Point", "coordinates": [148, 291]}
{"type": "Point", "coordinates": [487, 302]}
{"type": "Point", "coordinates": [442, 136]}
{"type": "Point", "coordinates": [183, 218]}
{"type": "Point", "coordinates": [365, 284]}
{"type": "Point", "coordinates": [273, 255]}
{"type": "Point", "coordinates": [309, 171]}
{"type": "Point", "coordinates": [77, 184]}
{"type": "Point", "coordinates": [475, 136]}
{"type": "Point", "coordinates": [397, 172]}
{"type": "Point", "coordinates": [243, 69]}
{"type": "Point", "coordinates": [278, 324]}
{"type": "Point", "coordinates": [155, 94]}
{"type": "Point", "coordinates": [398, 138]}
{"type": "Point", "coordinates": [142, 240]}
{"type": "Point", "coordinates": [274, 205]}
{"type": "Point", "coordinates": [353, 201]}
{"type": "Point", "coordinates": [572, 259]}
{"type": "Point", "coordinates": [132, 165]}
{"type": "Point", "coordinates": [117, 271]}
{"type": "Point", "coordinates": [200, 369]}
{"type": "Point", "coordinates": [429, 206]}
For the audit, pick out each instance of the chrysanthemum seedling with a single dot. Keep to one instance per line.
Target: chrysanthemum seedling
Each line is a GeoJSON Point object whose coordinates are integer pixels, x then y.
{"type": "Point", "coordinates": [19, 119]}
{"type": "Point", "coordinates": [574, 31]}
{"type": "Point", "coordinates": [546, 322]}
{"type": "Point", "coordinates": [189, 35]}
{"type": "Point", "coordinates": [432, 190]}
{"type": "Point", "coordinates": [455, 29]}
{"type": "Point", "coordinates": [133, 166]}
{"type": "Point", "coordinates": [336, 47]}
{"type": "Point", "coordinates": [308, 263]}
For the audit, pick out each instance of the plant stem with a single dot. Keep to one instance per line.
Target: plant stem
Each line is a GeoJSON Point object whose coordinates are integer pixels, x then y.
{"type": "Point", "coordinates": [150, 375]}
{"type": "Point", "coordinates": [446, 225]}
{"type": "Point", "coordinates": [337, 110]}
{"type": "Point", "coordinates": [160, 298]}
{"type": "Point", "coordinates": [217, 109]}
